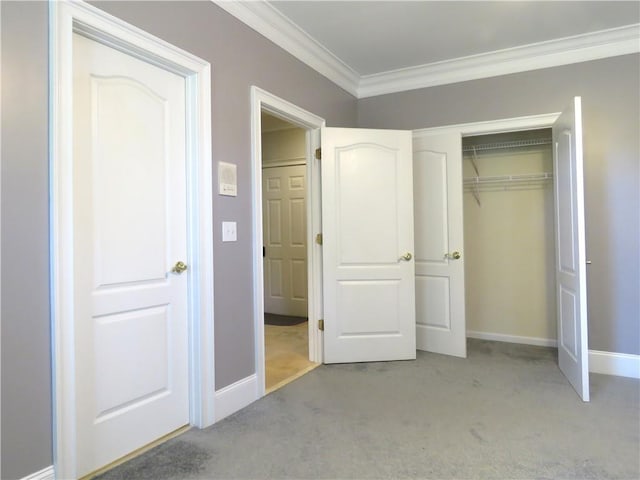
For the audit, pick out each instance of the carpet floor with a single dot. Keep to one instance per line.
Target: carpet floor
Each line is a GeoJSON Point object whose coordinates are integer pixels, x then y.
{"type": "Point", "coordinates": [505, 412]}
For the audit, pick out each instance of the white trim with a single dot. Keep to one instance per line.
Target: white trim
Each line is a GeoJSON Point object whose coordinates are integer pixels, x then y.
{"type": "Point", "coordinates": [44, 474]}
{"type": "Point", "coordinates": [268, 21]}
{"type": "Point", "coordinates": [531, 122]}
{"type": "Point", "coordinates": [236, 396]}
{"type": "Point", "coordinates": [552, 53]}
{"type": "Point", "coordinates": [612, 363]}
{"type": "Point", "coordinates": [606, 363]}
{"type": "Point", "coordinates": [500, 337]}
{"type": "Point", "coordinates": [67, 17]}
{"type": "Point", "coordinates": [262, 100]}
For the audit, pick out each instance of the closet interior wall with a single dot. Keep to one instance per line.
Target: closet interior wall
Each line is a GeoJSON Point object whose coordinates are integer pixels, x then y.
{"type": "Point", "coordinates": [509, 237]}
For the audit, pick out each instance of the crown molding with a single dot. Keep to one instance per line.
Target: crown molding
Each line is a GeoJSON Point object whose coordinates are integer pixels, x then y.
{"type": "Point", "coordinates": [269, 22]}
{"type": "Point", "coordinates": [552, 53]}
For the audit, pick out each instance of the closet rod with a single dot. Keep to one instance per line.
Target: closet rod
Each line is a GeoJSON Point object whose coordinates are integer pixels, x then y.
{"type": "Point", "coordinates": [513, 144]}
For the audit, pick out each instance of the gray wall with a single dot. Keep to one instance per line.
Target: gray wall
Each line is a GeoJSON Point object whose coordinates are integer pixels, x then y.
{"type": "Point", "coordinates": [240, 58]}
{"type": "Point", "coordinates": [26, 377]}
{"type": "Point", "coordinates": [610, 91]}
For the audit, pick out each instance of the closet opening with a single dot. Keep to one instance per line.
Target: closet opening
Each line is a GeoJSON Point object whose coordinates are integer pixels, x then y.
{"type": "Point", "coordinates": [509, 239]}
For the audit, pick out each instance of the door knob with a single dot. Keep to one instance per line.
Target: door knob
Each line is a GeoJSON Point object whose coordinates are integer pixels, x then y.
{"type": "Point", "coordinates": [455, 255]}
{"type": "Point", "coordinates": [179, 267]}
{"type": "Point", "coordinates": [406, 257]}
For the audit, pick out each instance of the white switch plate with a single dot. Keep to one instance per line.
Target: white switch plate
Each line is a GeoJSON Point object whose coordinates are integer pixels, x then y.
{"type": "Point", "coordinates": [229, 233]}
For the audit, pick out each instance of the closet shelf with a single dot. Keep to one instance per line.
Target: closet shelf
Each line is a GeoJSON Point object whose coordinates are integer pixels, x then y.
{"type": "Point", "coordinates": [506, 180]}
{"type": "Point", "coordinates": [513, 144]}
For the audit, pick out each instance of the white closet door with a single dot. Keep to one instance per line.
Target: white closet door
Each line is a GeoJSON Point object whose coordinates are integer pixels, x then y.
{"type": "Point", "coordinates": [440, 301]}
{"type": "Point", "coordinates": [571, 282]}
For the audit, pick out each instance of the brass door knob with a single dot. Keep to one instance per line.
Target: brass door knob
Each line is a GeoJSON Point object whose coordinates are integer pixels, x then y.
{"type": "Point", "coordinates": [406, 257]}
{"type": "Point", "coordinates": [179, 267]}
{"type": "Point", "coordinates": [455, 255]}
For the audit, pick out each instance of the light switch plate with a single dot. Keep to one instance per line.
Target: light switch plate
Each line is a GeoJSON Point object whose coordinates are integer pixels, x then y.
{"type": "Point", "coordinates": [229, 232]}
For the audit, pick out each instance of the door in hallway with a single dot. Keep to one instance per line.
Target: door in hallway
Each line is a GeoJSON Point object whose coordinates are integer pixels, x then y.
{"type": "Point", "coordinates": [284, 214]}
{"type": "Point", "coordinates": [129, 230]}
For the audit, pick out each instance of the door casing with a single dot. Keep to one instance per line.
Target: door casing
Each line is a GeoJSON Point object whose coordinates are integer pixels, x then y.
{"type": "Point", "coordinates": [262, 100]}
{"type": "Point", "coordinates": [67, 18]}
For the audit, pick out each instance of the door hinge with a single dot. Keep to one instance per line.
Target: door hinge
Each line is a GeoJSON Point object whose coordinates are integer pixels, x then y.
{"type": "Point", "coordinates": [319, 239]}
{"type": "Point", "coordinates": [321, 325]}
{"type": "Point", "coordinates": [318, 153]}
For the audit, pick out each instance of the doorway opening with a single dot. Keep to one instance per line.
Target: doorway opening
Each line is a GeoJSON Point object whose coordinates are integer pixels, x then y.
{"type": "Point", "coordinates": [262, 103]}
{"type": "Point", "coordinates": [285, 273]}
{"type": "Point", "coordinates": [509, 240]}
{"type": "Point", "coordinates": [439, 151]}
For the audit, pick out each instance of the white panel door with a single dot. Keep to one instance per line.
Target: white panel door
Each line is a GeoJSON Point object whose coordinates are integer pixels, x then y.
{"type": "Point", "coordinates": [284, 223]}
{"type": "Point", "coordinates": [129, 216]}
{"type": "Point", "coordinates": [437, 186]}
{"type": "Point", "coordinates": [367, 216]}
{"type": "Point", "coordinates": [571, 281]}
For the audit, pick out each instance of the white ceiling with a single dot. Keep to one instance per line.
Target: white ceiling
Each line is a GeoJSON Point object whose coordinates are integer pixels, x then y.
{"type": "Point", "coordinates": [377, 47]}
{"type": "Point", "coordinates": [373, 37]}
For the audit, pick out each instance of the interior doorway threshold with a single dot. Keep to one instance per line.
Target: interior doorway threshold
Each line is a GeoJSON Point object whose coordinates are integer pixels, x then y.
{"type": "Point", "coordinates": [290, 379]}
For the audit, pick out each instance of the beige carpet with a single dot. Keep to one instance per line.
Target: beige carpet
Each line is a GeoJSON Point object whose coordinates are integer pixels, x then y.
{"type": "Point", "coordinates": [286, 354]}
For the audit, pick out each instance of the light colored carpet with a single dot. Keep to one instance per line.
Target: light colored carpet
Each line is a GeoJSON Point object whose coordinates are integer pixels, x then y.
{"type": "Point", "coordinates": [506, 412]}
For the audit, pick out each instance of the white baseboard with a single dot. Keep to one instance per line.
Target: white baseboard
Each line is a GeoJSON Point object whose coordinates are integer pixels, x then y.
{"type": "Point", "coordinates": [608, 363]}
{"type": "Point", "coordinates": [44, 474]}
{"type": "Point", "coordinates": [612, 363]}
{"type": "Point", "coordinates": [236, 396]}
{"type": "Point", "coordinates": [500, 337]}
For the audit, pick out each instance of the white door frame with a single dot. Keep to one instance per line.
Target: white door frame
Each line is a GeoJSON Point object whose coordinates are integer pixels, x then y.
{"type": "Point", "coordinates": [514, 124]}
{"type": "Point", "coordinates": [262, 100]}
{"type": "Point", "coordinates": [67, 18]}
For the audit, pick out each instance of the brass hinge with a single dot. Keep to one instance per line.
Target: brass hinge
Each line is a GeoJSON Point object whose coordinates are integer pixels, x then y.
{"type": "Point", "coordinates": [321, 325]}
{"type": "Point", "coordinates": [318, 153]}
{"type": "Point", "coordinates": [319, 239]}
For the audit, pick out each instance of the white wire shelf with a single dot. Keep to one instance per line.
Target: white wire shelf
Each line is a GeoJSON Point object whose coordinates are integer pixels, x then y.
{"type": "Point", "coordinates": [505, 181]}
{"type": "Point", "coordinates": [513, 144]}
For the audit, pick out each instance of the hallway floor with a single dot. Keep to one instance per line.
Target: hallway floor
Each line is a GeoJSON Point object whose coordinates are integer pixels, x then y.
{"type": "Point", "coordinates": [286, 354]}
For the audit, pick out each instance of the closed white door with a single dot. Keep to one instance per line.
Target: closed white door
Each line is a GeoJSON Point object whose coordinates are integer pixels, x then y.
{"type": "Point", "coordinates": [437, 180]}
{"type": "Point", "coordinates": [129, 230]}
{"type": "Point", "coordinates": [284, 214]}
{"type": "Point", "coordinates": [368, 267]}
{"type": "Point", "coordinates": [571, 281]}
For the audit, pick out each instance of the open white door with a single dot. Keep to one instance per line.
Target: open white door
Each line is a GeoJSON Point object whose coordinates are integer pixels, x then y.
{"type": "Point", "coordinates": [367, 216]}
{"type": "Point", "coordinates": [571, 285]}
{"type": "Point", "coordinates": [437, 177]}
